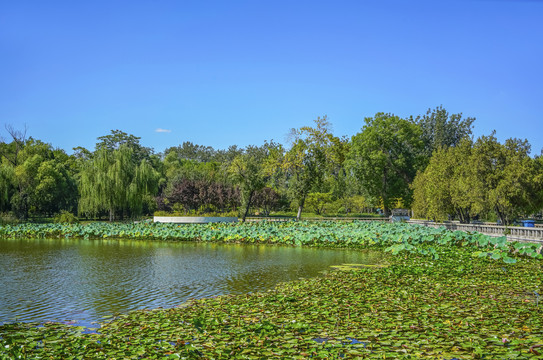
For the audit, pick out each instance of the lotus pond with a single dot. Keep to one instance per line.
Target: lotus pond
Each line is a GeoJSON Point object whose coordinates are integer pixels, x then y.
{"type": "Point", "coordinates": [441, 295]}
{"type": "Point", "coordinates": [79, 281]}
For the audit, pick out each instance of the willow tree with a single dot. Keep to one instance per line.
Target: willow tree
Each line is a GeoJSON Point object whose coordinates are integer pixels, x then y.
{"type": "Point", "coordinates": [113, 181]}
{"type": "Point", "coordinates": [7, 187]}
{"type": "Point", "coordinates": [443, 189]}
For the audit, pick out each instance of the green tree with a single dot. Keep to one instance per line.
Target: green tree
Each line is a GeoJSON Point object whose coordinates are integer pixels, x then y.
{"type": "Point", "coordinates": [9, 152]}
{"type": "Point", "coordinates": [190, 151]}
{"type": "Point", "coordinates": [249, 171]}
{"type": "Point", "coordinates": [385, 157]}
{"type": "Point", "coordinates": [119, 138]}
{"type": "Point", "coordinates": [56, 189]}
{"type": "Point", "coordinates": [7, 185]}
{"type": "Point", "coordinates": [439, 129]}
{"type": "Point", "coordinates": [503, 178]}
{"type": "Point", "coordinates": [40, 180]}
{"type": "Point", "coordinates": [314, 151]}
{"type": "Point", "coordinates": [115, 182]}
{"type": "Point", "coordinates": [317, 202]}
{"type": "Point", "coordinates": [480, 178]}
{"type": "Point", "coordinates": [538, 182]}
{"type": "Point", "coordinates": [176, 167]}
{"type": "Point", "coordinates": [443, 189]}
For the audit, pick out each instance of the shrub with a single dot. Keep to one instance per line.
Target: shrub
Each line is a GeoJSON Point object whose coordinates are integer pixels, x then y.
{"type": "Point", "coordinates": [7, 218]}
{"type": "Point", "coordinates": [66, 217]}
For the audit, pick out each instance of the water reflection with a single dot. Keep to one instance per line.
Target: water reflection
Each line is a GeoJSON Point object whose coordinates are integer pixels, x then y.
{"type": "Point", "coordinates": [81, 280]}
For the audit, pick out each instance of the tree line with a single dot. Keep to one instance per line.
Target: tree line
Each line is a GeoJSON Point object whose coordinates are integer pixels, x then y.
{"type": "Point", "coordinates": [428, 163]}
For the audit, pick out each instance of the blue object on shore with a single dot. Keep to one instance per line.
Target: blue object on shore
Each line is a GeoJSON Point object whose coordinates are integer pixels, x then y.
{"type": "Point", "coordinates": [528, 223]}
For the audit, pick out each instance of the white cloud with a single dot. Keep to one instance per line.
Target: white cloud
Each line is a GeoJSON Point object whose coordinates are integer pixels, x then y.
{"type": "Point", "coordinates": [159, 130]}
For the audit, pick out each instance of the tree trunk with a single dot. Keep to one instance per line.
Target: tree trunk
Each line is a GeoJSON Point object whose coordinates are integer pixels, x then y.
{"type": "Point", "coordinates": [111, 215]}
{"type": "Point", "coordinates": [386, 211]}
{"type": "Point", "coordinates": [502, 216]}
{"type": "Point", "coordinates": [300, 208]}
{"type": "Point", "coordinates": [463, 214]}
{"type": "Point", "coordinates": [247, 207]}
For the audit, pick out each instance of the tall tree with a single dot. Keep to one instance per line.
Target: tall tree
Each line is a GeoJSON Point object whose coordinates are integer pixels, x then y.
{"type": "Point", "coordinates": [504, 178]}
{"type": "Point", "coordinates": [442, 190]}
{"type": "Point", "coordinates": [119, 138]}
{"type": "Point", "coordinates": [176, 168]}
{"type": "Point", "coordinates": [115, 182]}
{"type": "Point", "coordinates": [190, 151]}
{"type": "Point", "coordinates": [439, 129]}
{"type": "Point", "coordinates": [249, 171]}
{"type": "Point", "coordinates": [311, 154]}
{"type": "Point", "coordinates": [385, 157]}
{"type": "Point", "coordinates": [7, 185]}
{"type": "Point", "coordinates": [38, 179]}
{"type": "Point", "coordinates": [56, 189]}
{"type": "Point", "coordinates": [9, 152]}
{"type": "Point", "coordinates": [480, 178]}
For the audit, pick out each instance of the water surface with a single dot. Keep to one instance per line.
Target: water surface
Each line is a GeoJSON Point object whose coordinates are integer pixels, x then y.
{"type": "Point", "coordinates": [80, 281]}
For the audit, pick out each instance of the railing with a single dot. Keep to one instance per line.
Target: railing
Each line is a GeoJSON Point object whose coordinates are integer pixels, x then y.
{"type": "Point", "coordinates": [493, 223]}
{"type": "Point", "coordinates": [274, 219]}
{"type": "Point", "coordinates": [346, 219]}
{"type": "Point", "coordinates": [512, 232]}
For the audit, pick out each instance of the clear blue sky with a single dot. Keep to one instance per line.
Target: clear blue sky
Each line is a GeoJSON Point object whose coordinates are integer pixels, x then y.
{"type": "Point", "coordinates": [240, 72]}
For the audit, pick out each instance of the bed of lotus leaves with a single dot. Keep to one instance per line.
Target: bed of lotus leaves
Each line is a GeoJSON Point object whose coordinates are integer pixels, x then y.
{"type": "Point", "coordinates": [394, 237]}
{"type": "Point", "coordinates": [438, 298]}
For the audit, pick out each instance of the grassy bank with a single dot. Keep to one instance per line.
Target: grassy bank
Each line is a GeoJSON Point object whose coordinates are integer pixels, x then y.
{"type": "Point", "coordinates": [443, 295]}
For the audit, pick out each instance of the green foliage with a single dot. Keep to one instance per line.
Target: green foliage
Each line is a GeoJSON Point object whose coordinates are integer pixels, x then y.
{"type": "Point", "coordinates": [66, 217]}
{"type": "Point", "coordinates": [176, 168]}
{"type": "Point", "coordinates": [395, 237]}
{"type": "Point", "coordinates": [355, 204]}
{"type": "Point", "coordinates": [320, 171]}
{"type": "Point", "coordinates": [318, 202]}
{"type": "Point", "coordinates": [250, 172]}
{"type": "Point", "coordinates": [35, 179]}
{"type": "Point", "coordinates": [314, 156]}
{"type": "Point", "coordinates": [504, 178]}
{"type": "Point", "coordinates": [445, 187]}
{"type": "Point", "coordinates": [480, 177]}
{"type": "Point", "coordinates": [118, 139]}
{"type": "Point", "coordinates": [385, 157]}
{"type": "Point", "coordinates": [7, 185]}
{"type": "Point", "coordinates": [7, 218]}
{"type": "Point", "coordinates": [114, 181]}
{"type": "Point", "coordinates": [441, 130]}
{"type": "Point", "coordinates": [203, 154]}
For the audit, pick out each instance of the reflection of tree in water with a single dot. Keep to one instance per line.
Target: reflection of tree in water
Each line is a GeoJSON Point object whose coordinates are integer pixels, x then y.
{"type": "Point", "coordinates": [262, 267]}
{"type": "Point", "coordinates": [85, 280]}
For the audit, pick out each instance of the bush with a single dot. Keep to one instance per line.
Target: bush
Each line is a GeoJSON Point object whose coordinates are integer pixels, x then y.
{"type": "Point", "coordinates": [66, 217]}
{"type": "Point", "coordinates": [7, 218]}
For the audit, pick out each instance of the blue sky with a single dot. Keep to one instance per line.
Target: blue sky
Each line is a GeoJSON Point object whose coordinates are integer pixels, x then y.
{"type": "Point", "coordinates": [240, 72]}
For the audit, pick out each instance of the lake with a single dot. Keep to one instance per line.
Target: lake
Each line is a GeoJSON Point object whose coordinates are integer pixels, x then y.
{"type": "Point", "coordinates": [82, 281]}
